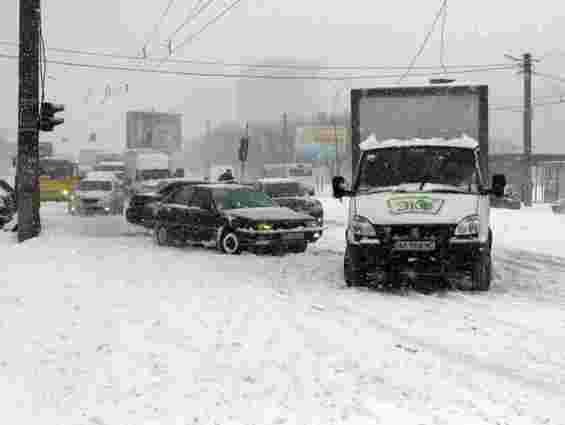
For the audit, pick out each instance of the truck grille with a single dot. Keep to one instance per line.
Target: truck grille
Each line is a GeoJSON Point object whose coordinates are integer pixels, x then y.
{"type": "Point", "coordinates": [423, 231]}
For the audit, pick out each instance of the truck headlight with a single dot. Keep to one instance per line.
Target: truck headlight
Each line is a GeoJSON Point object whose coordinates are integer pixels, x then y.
{"type": "Point", "coordinates": [361, 226]}
{"type": "Point", "coordinates": [312, 223]}
{"type": "Point", "coordinates": [469, 226]}
{"type": "Point", "coordinates": [263, 227]}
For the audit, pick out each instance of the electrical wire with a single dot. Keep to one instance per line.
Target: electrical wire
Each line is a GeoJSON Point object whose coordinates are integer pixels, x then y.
{"type": "Point", "coordinates": [550, 76]}
{"type": "Point", "coordinates": [442, 46]}
{"type": "Point", "coordinates": [253, 76]}
{"type": "Point", "coordinates": [423, 45]}
{"type": "Point", "coordinates": [158, 24]}
{"type": "Point", "coordinates": [256, 65]}
{"type": "Point", "coordinates": [519, 108]}
{"type": "Point", "coordinates": [194, 13]}
{"type": "Point", "coordinates": [220, 15]}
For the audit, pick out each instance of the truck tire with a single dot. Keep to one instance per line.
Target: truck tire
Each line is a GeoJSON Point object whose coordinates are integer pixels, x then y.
{"type": "Point", "coordinates": [481, 273]}
{"type": "Point", "coordinates": [352, 277]}
{"type": "Point", "coordinates": [161, 235]}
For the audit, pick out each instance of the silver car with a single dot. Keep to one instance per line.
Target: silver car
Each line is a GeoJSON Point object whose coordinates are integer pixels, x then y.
{"type": "Point", "coordinates": [97, 195]}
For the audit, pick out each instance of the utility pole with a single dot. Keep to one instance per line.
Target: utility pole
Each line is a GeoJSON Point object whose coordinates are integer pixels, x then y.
{"type": "Point", "coordinates": [285, 137]}
{"type": "Point", "coordinates": [527, 64]}
{"type": "Point", "coordinates": [27, 179]}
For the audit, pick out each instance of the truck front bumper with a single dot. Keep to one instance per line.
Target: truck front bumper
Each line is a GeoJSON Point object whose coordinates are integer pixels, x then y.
{"type": "Point", "coordinates": [382, 262]}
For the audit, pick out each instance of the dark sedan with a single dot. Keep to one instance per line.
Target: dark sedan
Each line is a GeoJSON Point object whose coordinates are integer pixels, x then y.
{"type": "Point", "coordinates": [294, 195]}
{"type": "Point", "coordinates": [7, 203]}
{"type": "Point", "coordinates": [142, 205]}
{"type": "Point", "coordinates": [233, 218]}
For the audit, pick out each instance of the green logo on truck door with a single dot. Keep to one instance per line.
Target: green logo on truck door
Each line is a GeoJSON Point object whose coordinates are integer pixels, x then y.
{"type": "Point", "coordinates": [414, 205]}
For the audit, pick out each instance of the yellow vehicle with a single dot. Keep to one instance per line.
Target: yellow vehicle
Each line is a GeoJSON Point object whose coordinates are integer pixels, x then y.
{"type": "Point", "coordinates": [58, 178]}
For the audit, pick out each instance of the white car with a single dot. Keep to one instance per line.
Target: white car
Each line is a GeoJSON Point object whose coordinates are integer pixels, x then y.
{"type": "Point", "coordinates": [97, 195]}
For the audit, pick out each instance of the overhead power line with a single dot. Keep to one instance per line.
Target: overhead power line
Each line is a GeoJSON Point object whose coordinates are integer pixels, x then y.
{"type": "Point", "coordinates": [220, 15]}
{"type": "Point", "coordinates": [199, 7]}
{"type": "Point", "coordinates": [519, 108]}
{"type": "Point", "coordinates": [442, 46]}
{"type": "Point", "coordinates": [550, 76]}
{"type": "Point", "coordinates": [251, 76]}
{"type": "Point", "coordinates": [259, 65]}
{"type": "Point", "coordinates": [426, 38]}
{"type": "Point", "coordinates": [158, 24]}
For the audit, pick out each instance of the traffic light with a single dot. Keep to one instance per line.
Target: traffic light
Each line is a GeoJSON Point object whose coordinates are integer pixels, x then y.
{"type": "Point", "coordinates": [243, 148]}
{"type": "Point", "coordinates": [47, 120]}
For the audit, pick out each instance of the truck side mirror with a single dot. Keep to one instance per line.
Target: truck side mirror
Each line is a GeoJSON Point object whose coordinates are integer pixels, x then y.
{"type": "Point", "coordinates": [498, 185]}
{"type": "Point", "coordinates": [339, 187]}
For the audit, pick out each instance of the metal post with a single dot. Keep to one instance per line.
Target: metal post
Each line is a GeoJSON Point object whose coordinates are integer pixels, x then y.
{"type": "Point", "coordinates": [27, 180]}
{"type": "Point", "coordinates": [528, 126]}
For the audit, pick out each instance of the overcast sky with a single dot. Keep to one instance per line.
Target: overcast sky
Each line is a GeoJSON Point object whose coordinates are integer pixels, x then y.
{"type": "Point", "coordinates": [359, 32]}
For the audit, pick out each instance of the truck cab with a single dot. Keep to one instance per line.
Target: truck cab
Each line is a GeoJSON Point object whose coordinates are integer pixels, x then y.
{"type": "Point", "coordinates": [419, 208]}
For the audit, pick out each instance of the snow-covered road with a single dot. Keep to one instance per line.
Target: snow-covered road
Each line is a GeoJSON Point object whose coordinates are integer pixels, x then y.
{"type": "Point", "coordinates": [100, 326]}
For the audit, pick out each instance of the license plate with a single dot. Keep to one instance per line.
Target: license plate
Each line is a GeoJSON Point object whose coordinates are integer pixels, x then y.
{"type": "Point", "coordinates": [293, 236]}
{"type": "Point", "coordinates": [415, 245]}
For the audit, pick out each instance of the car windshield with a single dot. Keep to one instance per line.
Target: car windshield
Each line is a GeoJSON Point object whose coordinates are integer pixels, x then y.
{"type": "Point", "coordinates": [153, 174]}
{"type": "Point", "coordinates": [227, 199]}
{"type": "Point", "coordinates": [90, 185]}
{"type": "Point", "coordinates": [414, 168]}
{"type": "Point", "coordinates": [279, 190]}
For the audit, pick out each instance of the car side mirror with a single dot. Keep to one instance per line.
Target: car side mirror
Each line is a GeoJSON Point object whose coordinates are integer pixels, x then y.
{"type": "Point", "coordinates": [498, 185]}
{"type": "Point", "coordinates": [339, 187]}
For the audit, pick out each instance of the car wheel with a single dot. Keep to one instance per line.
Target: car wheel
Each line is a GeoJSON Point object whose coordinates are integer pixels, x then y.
{"type": "Point", "coordinates": [229, 243]}
{"type": "Point", "coordinates": [161, 235]}
{"type": "Point", "coordinates": [481, 273]}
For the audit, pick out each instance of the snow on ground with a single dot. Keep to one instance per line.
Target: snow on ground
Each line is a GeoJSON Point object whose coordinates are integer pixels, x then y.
{"type": "Point", "coordinates": [100, 326]}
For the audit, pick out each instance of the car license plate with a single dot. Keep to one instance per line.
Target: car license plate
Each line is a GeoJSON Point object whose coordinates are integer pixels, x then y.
{"type": "Point", "coordinates": [415, 245]}
{"type": "Point", "coordinates": [293, 236]}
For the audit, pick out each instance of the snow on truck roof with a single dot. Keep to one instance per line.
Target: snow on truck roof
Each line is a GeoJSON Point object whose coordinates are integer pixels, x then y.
{"type": "Point", "coordinates": [460, 142]}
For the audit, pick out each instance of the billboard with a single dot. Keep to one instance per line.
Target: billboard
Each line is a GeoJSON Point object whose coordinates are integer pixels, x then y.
{"type": "Point", "coordinates": [318, 143]}
{"type": "Point", "coordinates": [154, 130]}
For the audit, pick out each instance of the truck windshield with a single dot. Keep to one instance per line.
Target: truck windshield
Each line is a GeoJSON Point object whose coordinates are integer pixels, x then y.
{"type": "Point", "coordinates": [419, 168]}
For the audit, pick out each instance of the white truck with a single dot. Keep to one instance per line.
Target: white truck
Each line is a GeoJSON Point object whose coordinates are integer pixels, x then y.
{"type": "Point", "coordinates": [146, 164]}
{"type": "Point", "coordinates": [419, 201]}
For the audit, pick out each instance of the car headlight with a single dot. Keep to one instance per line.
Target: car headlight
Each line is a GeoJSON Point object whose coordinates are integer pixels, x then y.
{"type": "Point", "coordinates": [361, 226]}
{"type": "Point", "coordinates": [65, 192]}
{"type": "Point", "coordinates": [469, 226]}
{"type": "Point", "coordinates": [312, 223]}
{"type": "Point", "coordinates": [264, 227]}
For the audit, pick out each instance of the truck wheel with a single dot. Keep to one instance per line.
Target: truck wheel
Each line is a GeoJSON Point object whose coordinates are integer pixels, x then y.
{"type": "Point", "coordinates": [229, 243]}
{"type": "Point", "coordinates": [161, 235]}
{"type": "Point", "coordinates": [481, 273]}
{"type": "Point", "coordinates": [352, 277]}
